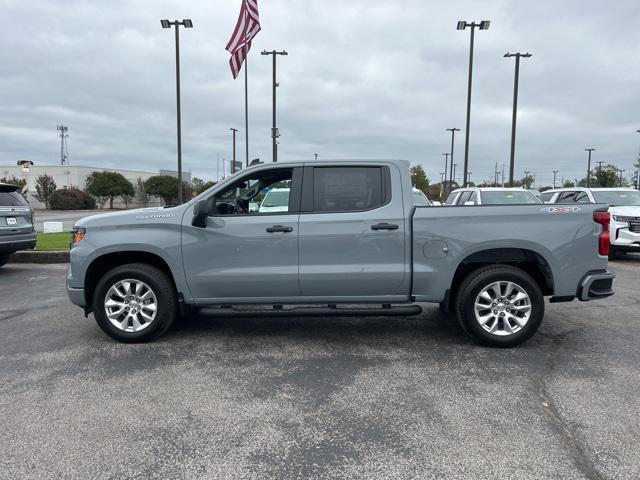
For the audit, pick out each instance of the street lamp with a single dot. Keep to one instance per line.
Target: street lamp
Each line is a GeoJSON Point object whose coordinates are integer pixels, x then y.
{"type": "Point", "coordinates": [453, 134]}
{"type": "Point", "coordinates": [274, 131]}
{"type": "Point", "coordinates": [186, 23]}
{"type": "Point", "coordinates": [555, 172]}
{"type": "Point", "coordinates": [589, 166]}
{"type": "Point", "coordinates": [526, 179]}
{"type": "Point", "coordinates": [515, 110]}
{"type": "Point", "coordinates": [462, 25]}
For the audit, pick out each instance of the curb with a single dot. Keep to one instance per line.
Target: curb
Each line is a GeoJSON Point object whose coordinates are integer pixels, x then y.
{"type": "Point", "coordinates": [32, 256]}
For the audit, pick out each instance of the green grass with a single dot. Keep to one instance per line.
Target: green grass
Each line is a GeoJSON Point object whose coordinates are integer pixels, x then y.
{"type": "Point", "coordinates": [47, 242]}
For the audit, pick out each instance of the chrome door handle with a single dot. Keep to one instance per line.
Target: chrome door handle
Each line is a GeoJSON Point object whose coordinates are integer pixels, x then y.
{"type": "Point", "coordinates": [279, 229]}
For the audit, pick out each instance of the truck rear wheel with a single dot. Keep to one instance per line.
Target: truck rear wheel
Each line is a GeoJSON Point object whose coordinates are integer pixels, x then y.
{"type": "Point", "coordinates": [135, 303]}
{"type": "Point", "coordinates": [500, 305]}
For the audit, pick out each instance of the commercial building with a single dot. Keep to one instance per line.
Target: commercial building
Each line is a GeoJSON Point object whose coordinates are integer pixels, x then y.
{"type": "Point", "coordinates": [67, 176]}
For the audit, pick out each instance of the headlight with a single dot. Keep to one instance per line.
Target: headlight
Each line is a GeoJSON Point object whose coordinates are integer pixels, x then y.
{"type": "Point", "coordinates": [77, 234]}
{"type": "Point", "coordinates": [619, 218]}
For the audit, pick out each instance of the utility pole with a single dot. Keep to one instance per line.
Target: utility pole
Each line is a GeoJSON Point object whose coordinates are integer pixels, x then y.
{"type": "Point", "coordinates": [555, 172]}
{"type": "Point", "coordinates": [588, 166]}
{"type": "Point", "coordinates": [468, 178]}
{"type": "Point", "coordinates": [233, 165]}
{"type": "Point", "coordinates": [483, 25]}
{"type": "Point", "coordinates": [274, 130]}
{"type": "Point", "coordinates": [495, 175]}
{"type": "Point", "coordinates": [515, 110]}
{"type": "Point", "coordinates": [442, 174]}
{"type": "Point", "coordinates": [503, 175]}
{"type": "Point", "coordinates": [454, 174]}
{"type": "Point", "coordinates": [446, 169]}
{"type": "Point", "coordinates": [64, 157]}
{"type": "Point", "coordinates": [186, 23]}
{"type": "Point", "coordinates": [622, 170]}
{"type": "Point", "coordinates": [453, 134]}
{"type": "Point", "coordinates": [526, 179]}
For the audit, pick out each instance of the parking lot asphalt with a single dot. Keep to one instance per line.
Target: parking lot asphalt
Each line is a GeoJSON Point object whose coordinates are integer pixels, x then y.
{"type": "Point", "coordinates": [316, 397]}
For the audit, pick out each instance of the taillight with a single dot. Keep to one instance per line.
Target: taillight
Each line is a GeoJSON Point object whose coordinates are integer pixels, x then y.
{"type": "Point", "coordinates": [604, 241]}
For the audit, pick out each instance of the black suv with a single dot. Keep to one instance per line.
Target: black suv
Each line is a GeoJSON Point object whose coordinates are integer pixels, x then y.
{"type": "Point", "coordinates": [17, 231]}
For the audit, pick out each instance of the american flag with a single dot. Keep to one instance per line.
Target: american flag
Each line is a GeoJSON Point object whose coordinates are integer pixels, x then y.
{"type": "Point", "coordinates": [247, 27]}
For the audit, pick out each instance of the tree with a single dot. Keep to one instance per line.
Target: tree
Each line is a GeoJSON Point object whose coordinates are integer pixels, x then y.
{"type": "Point", "coordinates": [166, 187]}
{"type": "Point", "coordinates": [71, 199]}
{"type": "Point", "coordinates": [419, 178]}
{"type": "Point", "coordinates": [568, 184]}
{"type": "Point", "coordinates": [141, 193]}
{"type": "Point", "coordinates": [198, 185]}
{"type": "Point", "coordinates": [606, 176]}
{"type": "Point", "coordinates": [108, 185]}
{"type": "Point", "coordinates": [545, 188]}
{"type": "Point", "coordinates": [45, 186]}
{"type": "Point", "coordinates": [19, 182]}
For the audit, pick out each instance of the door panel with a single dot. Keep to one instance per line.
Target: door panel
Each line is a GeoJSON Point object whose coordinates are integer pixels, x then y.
{"type": "Point", "coordinates": [341, 255]}
{"type": "Point", "coordinates": [236, 257]}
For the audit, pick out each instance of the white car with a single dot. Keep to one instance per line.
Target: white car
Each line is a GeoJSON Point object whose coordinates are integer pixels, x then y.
{"type": "Point", "coordinates": [419, 198]}
{"type": "Point", "coordinates": [624, 207]}
{"type": "Point", "coordinates": [490, 196]}
{"type": "Point", "coordinates": [276, 200]}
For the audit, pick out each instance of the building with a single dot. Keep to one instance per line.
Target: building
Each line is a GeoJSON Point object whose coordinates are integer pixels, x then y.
{"type": "Point", "coordinates": [67, 176]}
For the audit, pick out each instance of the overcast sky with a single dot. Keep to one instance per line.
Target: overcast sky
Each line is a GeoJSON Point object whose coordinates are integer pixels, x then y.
{"type": "Point", "coordinates": [363, 79]}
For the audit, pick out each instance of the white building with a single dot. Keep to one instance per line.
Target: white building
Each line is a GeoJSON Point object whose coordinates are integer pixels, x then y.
{"type": "Point", "coordinates": [76, 176]}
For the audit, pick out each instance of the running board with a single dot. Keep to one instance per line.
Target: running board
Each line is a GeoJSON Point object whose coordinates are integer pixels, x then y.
{"type": "Point", "coordinates": [329, 311]}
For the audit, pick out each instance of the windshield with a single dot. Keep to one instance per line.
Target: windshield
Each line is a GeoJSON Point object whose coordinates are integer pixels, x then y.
{"type": "Point", "coordinates": [617, 197]}
{"type": "Point", "coordinates": [420, 199]}
{"type": "Point", "coordinates": [508, 196]}
{"type": "Point", "coordinates": [276, 199]}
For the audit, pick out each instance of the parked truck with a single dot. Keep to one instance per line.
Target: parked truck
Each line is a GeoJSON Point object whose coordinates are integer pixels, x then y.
{"type": "Point", "coordinates": [351, 235]}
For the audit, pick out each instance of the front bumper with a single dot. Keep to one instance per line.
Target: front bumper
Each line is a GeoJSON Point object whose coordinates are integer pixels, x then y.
{"type": "Point", "coordinates": [596, 285]}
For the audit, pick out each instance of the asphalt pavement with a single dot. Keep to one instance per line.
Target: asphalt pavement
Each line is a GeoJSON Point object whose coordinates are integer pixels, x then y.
{"type": "Point", "coordinates": [348, 398]}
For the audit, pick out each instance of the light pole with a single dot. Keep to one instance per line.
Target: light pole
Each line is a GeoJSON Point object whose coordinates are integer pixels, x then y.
{"type": "Point", "coordinates": [515, 110]}
{"type": "Point", "coordinates": [622, 170]}
{"type": "Point", "coordinates": [186, 23]}
{"type": "Point", "coordinates": [233, 165]}
{"type": "Point", "coordinates": [468, 178]}
{"type": "Point", "coordinates": [453, 178]}
{"type": "Point", "coordinates": [526, 179]}
{"type": "Point", "coordinates": [274, 131]}
{"type": "Point", "coordinates": [453, 134]}
{"type": "Point", "coordinates": [315, 156]}
{"type": "Point", "coordinates": [446, 166]}
{"type": "Point", "coordinates": [483, 25]}
{"type": "Point", "coordinates": [589, 166]}
{"type": "Point", "coordinates": [555, 172]}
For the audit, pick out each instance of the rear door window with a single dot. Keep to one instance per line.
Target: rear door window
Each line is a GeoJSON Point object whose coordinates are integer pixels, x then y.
{"type": "Point", "coordinates": [347, 189]}
{"type": "Point", "coordinates": [463, 198]}
{"type": "Point", "coordinates": [566, 197]}
{"type": "Point", "coordinates": [451, 198]}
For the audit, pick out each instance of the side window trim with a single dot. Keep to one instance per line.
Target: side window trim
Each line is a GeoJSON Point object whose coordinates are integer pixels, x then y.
{"type": "Point", "coordinates": [307, 196]}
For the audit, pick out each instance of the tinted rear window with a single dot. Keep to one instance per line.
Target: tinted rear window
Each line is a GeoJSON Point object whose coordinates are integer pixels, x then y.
{"type": "Point", "coordinates": [344, 189]}
{"type": "Point", "coordinates": [12, 199]}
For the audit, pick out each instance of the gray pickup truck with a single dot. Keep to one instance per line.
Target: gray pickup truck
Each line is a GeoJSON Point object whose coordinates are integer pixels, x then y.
{"type": "Point", "coordinates": [350, 235]}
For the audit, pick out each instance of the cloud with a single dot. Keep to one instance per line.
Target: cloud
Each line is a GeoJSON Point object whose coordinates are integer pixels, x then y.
{"type": "Point", "coordinates": [362, 79]}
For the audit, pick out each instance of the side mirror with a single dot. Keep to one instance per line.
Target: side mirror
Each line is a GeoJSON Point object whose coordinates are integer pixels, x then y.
{"type": "Point", "coordinates": [200, 213]}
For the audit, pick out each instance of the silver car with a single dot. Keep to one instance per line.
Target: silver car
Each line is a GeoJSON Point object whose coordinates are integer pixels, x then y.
{"type": "Point", "coordinates": [16, 223]}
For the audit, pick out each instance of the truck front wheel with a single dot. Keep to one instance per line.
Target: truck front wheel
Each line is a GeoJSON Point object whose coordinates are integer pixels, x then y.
{"type": "Point", "coordinates": [500, 305]}
{"type": "Point", "coordinates": [134, 303]}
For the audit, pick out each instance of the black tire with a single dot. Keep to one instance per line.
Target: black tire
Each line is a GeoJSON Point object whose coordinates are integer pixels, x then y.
{"type": "Point", "coordinates": [480, 279]}
{"type": "Point", "coordinates": [4, 258]}
{"type": "Point", "coordinates": [161, 286]}
{"type": "Point", "coordinates": [613, 252]}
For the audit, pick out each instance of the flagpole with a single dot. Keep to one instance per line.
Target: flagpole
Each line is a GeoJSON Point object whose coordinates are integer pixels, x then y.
{"type": "Point", "coordinates": [246, 95]}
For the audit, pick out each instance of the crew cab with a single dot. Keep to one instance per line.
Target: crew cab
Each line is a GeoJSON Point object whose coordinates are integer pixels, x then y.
{"type": "Point", "coordinates": [624, 207]}
{"type": "Point", "coordinates": [351, 242]}
{"type": "Point", "coordinates": [16, 223]}
{"type": "Point", "coordinates": [490, 196]}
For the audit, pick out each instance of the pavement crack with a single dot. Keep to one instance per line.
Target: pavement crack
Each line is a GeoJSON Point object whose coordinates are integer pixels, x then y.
{"type": "Point", "coordinates": [13, 313]}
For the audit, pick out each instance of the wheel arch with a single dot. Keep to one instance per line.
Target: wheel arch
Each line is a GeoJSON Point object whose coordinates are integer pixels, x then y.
{"type": "Point", "coordinates": [100, 265]}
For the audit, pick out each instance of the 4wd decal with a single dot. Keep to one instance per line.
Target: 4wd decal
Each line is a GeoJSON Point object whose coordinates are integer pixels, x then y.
{"type": "Point", "coordinates": [561, 209]}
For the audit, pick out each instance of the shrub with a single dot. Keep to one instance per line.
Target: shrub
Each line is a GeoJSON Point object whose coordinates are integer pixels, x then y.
{"type": "Point", "coordinates": [71, 199]}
